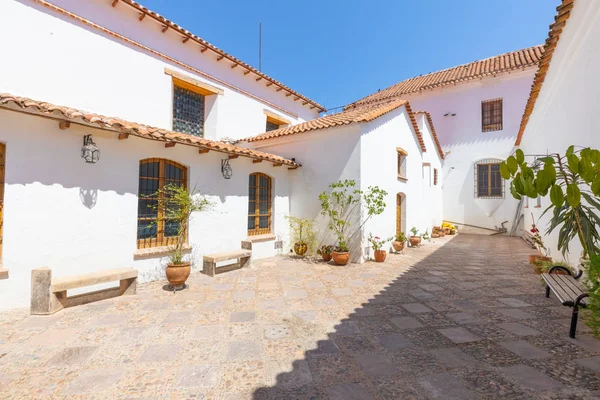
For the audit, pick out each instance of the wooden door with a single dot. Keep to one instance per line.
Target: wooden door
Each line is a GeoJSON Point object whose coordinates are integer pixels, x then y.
{"type": "Point", "coordinates": [398, 213]}
{"type": "Point", "coordinates": [2, 163]}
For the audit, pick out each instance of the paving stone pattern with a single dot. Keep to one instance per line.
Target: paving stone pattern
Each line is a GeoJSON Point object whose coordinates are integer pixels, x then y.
{"type": "Point", "coordinates": [458, 318]}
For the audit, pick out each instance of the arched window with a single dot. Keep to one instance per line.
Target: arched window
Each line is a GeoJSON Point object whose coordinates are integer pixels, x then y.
{"type": "Point", "coordinates": [259, 204]}
{"type": "Point", "coordinates": [155, 174]}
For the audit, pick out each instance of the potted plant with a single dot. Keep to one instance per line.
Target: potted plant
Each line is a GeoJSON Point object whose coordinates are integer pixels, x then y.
{"type": "Point", "coordinates": [177, 207]}
{"type": "Point", "coordinates": [325, 252]}
{"type": "Point", "coordinates": [376, 245]}
{"type": "Point", "coordinates": [303, 234]}
{"type": "Point", "coordinates": [398, 244]}
{"type": "Point", "coordinates": [536, 260]}
{"type": "Point", "coordinates": [415, 239]}
{"type": "Point", "coordinates": [343, 207]}
{"type": "Point", "coordinates": [572, 181]}
{"type": "Point", "coordinates": [435, 232]}
{"type": "Point", "coordinates": [448, 228]}
{"type": "Point", "coordinates": [426, 235]}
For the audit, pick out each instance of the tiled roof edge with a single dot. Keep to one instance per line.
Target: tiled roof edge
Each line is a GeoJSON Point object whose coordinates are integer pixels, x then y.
{"type": "Point", "coordinates": [433, 132]}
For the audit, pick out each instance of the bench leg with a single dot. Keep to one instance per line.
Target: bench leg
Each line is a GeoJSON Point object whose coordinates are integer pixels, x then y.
{"type": "Point", "coordinates": [547, 291]}
{"type": "Point", "coordinates": [43, 300]}
{"type": "Point", "coordinates": [209, 268]}
{"type": "Point", "coordinates": [575, 315]}
{"type": "Point", "coordinates": [245, 262]}
{"type": "Point", "coordinates": [128, 286]}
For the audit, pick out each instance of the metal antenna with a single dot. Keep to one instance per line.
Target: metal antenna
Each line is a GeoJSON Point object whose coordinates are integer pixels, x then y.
{"type": "Point", "coordinates": [260, 46]}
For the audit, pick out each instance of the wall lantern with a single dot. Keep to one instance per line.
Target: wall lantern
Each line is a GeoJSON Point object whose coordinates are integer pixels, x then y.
{"type": "Point", "coordinates": [226, 169]}
{"type": "Point", "coordinates": [89, 151]}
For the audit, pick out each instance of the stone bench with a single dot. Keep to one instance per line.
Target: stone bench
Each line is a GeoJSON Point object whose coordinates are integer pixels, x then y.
{"type": "Point", "coordinates": [50, 295]}
{"type": "Point", "coordinates": [211, 260]}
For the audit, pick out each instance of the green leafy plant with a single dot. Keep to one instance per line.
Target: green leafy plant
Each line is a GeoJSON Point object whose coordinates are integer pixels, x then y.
{"type": "Point", "coordinates": [414, 231]}
{"type": "Point", "coordinates": [325, 249]}
{"type": "Point", "coordinates": [426, 235]}
{"type": "Point", "coordinates": [401, 237]}
{"type": "Point", "coordinates": [303, 232]}
{"type": "Point", "coordinates": [376, 242]}
{"type": "Point", "coordinates": [573, 183]}
{"type": "Point", "coordinates": [593, 319]}
{"type": "Point", "coordinates": [344, 203]}
{"type": "Point", "coordinates": [177, 206]}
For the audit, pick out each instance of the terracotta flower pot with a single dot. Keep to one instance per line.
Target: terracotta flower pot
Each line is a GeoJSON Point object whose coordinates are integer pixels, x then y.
{"type": "Point", "coordinates": [326, 257]}
{"type": "Point", "coordinates": [538, 258]}
{"type": "Point", "coordinates": [340, 258]}
{"type": "Point", "coordinates": [435, 235]}
{"type": "Point", "coordinates": [398, 246]}
{"type": "Point", "coordinates": [414, 241]}
{"type": "Point", "coordinates": [437, 228]}
{"type": "Point", "coordinates": [177, 274]}
{"type": "Point", "coordinates": [300, 248]}
{"type": "Point", "coordinates": [446, 231]}
{"type": "Point", "coordinates": [380, 255]}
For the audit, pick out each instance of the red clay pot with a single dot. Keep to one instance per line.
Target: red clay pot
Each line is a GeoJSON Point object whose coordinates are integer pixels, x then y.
{"type": "Point", "coordinates": [380, 255]}
{"type": "Point", "coordinates": [414, 241]}
{"type": "Point", "coordinates": [398, 246]}
{"type": "Point", "coordinates": [177, 274]}
{"type": "Point", "coordinates": [326, 257]}
{"type": "Point", "coordinates": [340, 258]}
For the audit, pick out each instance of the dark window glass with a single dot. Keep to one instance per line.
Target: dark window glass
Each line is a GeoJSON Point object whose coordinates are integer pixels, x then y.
{"type": "Point", "coordinates": [488, 181]}
{"type": "Point", "coordinates": [271, 126]}
{"type": "Point", "coordinates": [188, 112]}
{"type": "Point", "coordinates": [491, 115]}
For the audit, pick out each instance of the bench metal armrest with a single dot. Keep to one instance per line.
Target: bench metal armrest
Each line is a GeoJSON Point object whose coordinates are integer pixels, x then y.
{"type": "Point", "coordinates": [560, 267]}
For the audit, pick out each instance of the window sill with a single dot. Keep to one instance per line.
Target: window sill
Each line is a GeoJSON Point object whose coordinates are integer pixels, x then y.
{"type": "Point", "coordinates": [3, 273]}
{"type": "Point", "coordinates": [150, 252]}
{"type": "Point", "coordinates": [537, 207]}
{"type": "Point", "coordinates": [402, 178]}
{"type": "Point", "coordinates": [490, 198]}
{"type": "Point", "coordinates": [260, 238]}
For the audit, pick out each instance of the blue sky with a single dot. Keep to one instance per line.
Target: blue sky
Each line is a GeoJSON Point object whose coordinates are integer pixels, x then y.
{"type": "Point", "coordinates": [337, 51]}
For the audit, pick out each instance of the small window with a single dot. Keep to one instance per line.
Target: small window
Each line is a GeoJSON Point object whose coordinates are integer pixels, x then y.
{"type": "Point", "coordinates": [188, 111]}
{"type": "Point", "coordinates": [259, 204]}
{"type": "Point", "coordinates": [435, 176]}
{"type": "Point", "coordinates": [538, 202]}
{"type": "Point", "coordinates": [488, 182]}
{"type": "Point", "coordinates": [271, 126]}
{"type": "Point", "coordinates": [154, 175]}
{"type": "Point", "coordinates": [401, 163]}
{"type": "Point", "coordinates": [491, 115]}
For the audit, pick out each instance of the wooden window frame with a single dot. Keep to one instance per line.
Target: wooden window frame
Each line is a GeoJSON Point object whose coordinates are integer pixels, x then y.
{"type": "Point", "coordinates": [402, 154]}
{"type": "Point", "coordinates": [276, 120]}
{"type": "Point", "coordinates": [257, 230]}
{"type": "Point", "coordinates": [160, 240]}
{"type": "Point", "coordinates": [488, 194]}
{"type": "Point", "coordinates": [173, 107]}
{"type": "Point", "coordinates": [488, 108]}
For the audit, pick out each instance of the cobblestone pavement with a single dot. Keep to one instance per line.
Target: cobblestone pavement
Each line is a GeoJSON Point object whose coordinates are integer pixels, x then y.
{"type": "Point", "coordinates": [455, 319]}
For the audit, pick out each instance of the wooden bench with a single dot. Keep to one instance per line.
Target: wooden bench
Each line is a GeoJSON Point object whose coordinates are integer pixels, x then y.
{"type": "Point", "coordinates": [50, 295]}
{"type": "Point", "coordinates": [211, 260]}
{"type": "Point", "coordinates": [568, 290]}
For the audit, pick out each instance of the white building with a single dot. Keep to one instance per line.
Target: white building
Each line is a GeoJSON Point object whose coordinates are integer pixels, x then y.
{"type": "Point", "coordinates": [174, 104]}
{"type": "Point", "coordinates": [476, 108]}
{"type": "Point", "coordinates": [563, 106]}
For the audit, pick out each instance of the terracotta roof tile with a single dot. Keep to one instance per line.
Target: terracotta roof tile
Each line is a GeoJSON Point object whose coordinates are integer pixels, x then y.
{"type": "Point", "coordinates": [61, 113]}
{"type": "Point", "coordinates": [216, 50]}
{"type": "Point", "coordinates": [502, 63]}
{"type": "Point", "coordinates": [352, 116]}
{"type": "Point", "coordinates": [560, 21]}
{"type": "Point", "coordinates": [433, 133]}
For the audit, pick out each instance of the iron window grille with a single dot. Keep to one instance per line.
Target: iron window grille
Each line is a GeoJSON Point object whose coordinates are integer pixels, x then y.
{"type": "Point", "coordinates": [188, 111]}
{"type": "Point", "coordinates": [259, 204]}
{"type": "Point", "coordinates": [271, 126]}
{"type": "Point", "coordinates": [488, 182]}
{"type": "Point", "coordinates": [491, 115]}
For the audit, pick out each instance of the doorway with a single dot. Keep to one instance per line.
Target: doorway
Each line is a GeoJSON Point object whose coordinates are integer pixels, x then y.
{"type": "Point", "coordinates": [400, 213]}
{"type": "Point", "coordinates": [2, 164]}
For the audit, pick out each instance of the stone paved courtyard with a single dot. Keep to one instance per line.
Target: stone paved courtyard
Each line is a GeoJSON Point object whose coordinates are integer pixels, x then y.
{"type": "Point", "coordinates": [460, 318]}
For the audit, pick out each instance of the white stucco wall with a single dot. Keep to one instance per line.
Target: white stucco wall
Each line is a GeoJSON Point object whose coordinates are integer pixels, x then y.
{"type": "Point", "coordinates": [566, 111]}
{"type": "Point", "coordinates": [74, 217]}
{"type": "Point", "coordinates": [63, 61]}
{"type": "Point", "coordinates": [464, 142]}
{"type": "Point", "coordinates": [379, 166]}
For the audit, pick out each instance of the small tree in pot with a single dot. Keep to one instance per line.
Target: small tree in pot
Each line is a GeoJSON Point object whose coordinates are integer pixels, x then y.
{"type": "Point", "coordinates": [345, 203]}
{"type": "Point", "coordinates": [398, 244]}
{"type": "Point", "coordinates": [176, 207]}
{"type": "Point", "coordinates": [303, 235]}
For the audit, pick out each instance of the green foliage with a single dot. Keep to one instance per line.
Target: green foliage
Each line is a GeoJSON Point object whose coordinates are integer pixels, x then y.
{"type": "Point", "coordinates": [593, 320]}
{"type": "Point", "coordinates": [401, 237]}
{"type": "Point", "coordinates": [178, 205]}
{"type": "Point", "coordinates": [414, 231]}
{"type": "Point", "coordinates": [573, 184]}
{"type": "Point", "coordinates": [303, 232]}
{"type": "Point", "coordinates": [344, 203]}
{"type": "Point", "coordinates": [426, 235]}
{"type": "Point", "coordinates": [376, 242]}
{"type": "Point", "coordinates": [325, 249]}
